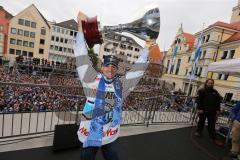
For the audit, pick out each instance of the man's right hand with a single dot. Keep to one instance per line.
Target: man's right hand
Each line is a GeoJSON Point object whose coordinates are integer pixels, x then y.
{"type": "Point", "coordinates": [81, 17]}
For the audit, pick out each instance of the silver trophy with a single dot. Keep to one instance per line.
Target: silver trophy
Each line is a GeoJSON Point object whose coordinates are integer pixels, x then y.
{"type": "Point", "coordinates": [147, 27]}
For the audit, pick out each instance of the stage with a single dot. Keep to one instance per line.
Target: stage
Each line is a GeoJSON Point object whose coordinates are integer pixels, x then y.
{"type": "Point", "coordinates": [174, 144]}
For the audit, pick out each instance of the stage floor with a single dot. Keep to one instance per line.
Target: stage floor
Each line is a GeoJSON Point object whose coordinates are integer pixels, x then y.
{"type": "Point", "coordinates": [175, 144]}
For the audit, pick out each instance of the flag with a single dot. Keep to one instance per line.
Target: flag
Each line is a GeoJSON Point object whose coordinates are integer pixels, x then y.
{"type": "Point", "coordinates": [196, 56]}
{"type": "Point", "coordinates": [174, 57]}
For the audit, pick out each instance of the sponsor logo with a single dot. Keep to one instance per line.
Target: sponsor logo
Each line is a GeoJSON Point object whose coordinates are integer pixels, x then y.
{"type": "Point", "coordinates": [109, 132]}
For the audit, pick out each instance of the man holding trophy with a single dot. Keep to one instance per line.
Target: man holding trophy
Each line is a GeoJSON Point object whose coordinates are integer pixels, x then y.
{"type": "Point", "coordinates": [105, 91]}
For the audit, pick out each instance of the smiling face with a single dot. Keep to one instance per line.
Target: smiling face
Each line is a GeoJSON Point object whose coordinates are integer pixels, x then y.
{"type": "Point", "coordinates": [109, 71]}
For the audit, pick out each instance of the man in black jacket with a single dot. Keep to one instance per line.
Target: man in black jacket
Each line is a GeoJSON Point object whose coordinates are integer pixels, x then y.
{"type": "Point", "coordinates": [208, 107]}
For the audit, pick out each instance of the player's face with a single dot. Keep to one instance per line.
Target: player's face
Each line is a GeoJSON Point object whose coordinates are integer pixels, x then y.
{"type": "Point", "coordinates": [109, 71]}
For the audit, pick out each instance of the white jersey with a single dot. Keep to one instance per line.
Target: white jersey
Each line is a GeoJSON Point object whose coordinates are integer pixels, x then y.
{"type": "Point", "coordinates": [90, 80]}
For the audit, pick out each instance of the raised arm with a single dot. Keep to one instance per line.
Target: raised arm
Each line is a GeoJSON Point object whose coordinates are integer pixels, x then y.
{"type": "Point", "coordinates": [137, 71]}
{"type": "Point", "coordinates": [86, 72]}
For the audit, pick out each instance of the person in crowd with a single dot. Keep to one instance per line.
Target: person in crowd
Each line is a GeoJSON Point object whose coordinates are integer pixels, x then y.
{"type": "Point", "coordinates": [235, 116]}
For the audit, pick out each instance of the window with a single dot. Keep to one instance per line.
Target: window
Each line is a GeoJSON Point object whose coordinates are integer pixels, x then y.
{"type": "Point", "coordinates": [41, 51]}
{"type": "Point", "coordinates": [53, 38]}
{"type": "Point", "coordinates": [57, 39]}
{"type": "Point", "coordinates": [106, 50]}
{"type": "Point", "coordinates": [42, 41]}
{"type": "Point", "coordinates": [219, 76]}
{"type": "Point", "coordinates": [21, 21]}
{"type": "Point", "coordinates": [186, 72]}
{"type": "Point", "coordinates": [26, 33]}
{"type": "Point", "coordinates": [203, 40]}
{"type": "Point", "coordinates": [75, 34]}
{"type": "Point", "coordinates": [33, 24]}
{"type": "Point", "coordinates": [204, 54]}
{"type": "Point", "coordinates": [56, 48]}
{"type": "Point", "coordinates": [25, 43]}
{"type": "Point", "coordinates": [66, 41]}
{"type": "Point", "coordinates": [20, 32]}
{"type": "Point", "coordinates": [71, 33]}
{"type": "Point", "coordinates": [208, 37]}
{"type": "Point", "coordinates": [199, 72]}
{"type": "Point", "coordinates": [31, 44]}
{"type": "Point", "coordinates": [27, 23]}
{"type": "Point", "coordinates": [32, 34]}
{"type": "Point", "coordinates": [61, 40]}
{"type": "Point", "coordinates": [224, 55]}
{"type": "Point", "coordinates": [225, 77]}
{"type": "Point", "coordinates": [60, 49]}
{"type": "Point", "coordinates": [52, 46]}
{"type": "Point", "coordinates": [69, 50]}
{"type": "Point", "coordinates": [178, 66]}
{"type": "Point", "coordinates": [43, 31]}
{"type": "Point", "coordinates": [232, 52]}
{"type": "Point", "coordinates": [24, 53]}
{"type": "Point", "coordinates": [58, 29]}
{"type": "Point", "coordinates": [65, 49]}
{"type": "Point", "coordinates": [11, 51]}
{"type": "Point", "coordinates": [18, 52]}
{"type": "Point", "coordinates": [13, 30]}
{"type": "Point", "coordinates": [115, 44]}
{"type": "Point", "coordinates": [137, 49]}
{"type": "Point", "coordinates": [19, 42]}
{"type": "Point", "coordinates": [12, 41]}
{"type": "Point", "coordinates": [30, 54]}
{"type": "Point", "coordinates": [129, 55]}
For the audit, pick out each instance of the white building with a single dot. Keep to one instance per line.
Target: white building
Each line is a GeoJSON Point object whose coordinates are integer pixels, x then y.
{"type": "Point", "coordinates": [62, 41]}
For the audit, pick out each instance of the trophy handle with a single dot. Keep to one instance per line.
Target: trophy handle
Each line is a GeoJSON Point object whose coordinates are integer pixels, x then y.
{"type": "Point", "coordinates": [91, 32]}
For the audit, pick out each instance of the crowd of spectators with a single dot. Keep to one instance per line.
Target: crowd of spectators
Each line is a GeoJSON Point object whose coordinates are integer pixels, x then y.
{"type": "Point", "coordinates": [59, 91]}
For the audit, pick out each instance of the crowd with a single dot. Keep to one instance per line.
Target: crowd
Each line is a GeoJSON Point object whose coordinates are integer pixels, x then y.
{"type": "Point", "coordinates": [61, 91]}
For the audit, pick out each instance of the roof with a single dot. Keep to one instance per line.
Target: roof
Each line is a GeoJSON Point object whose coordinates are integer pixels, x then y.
{"type": "Point", "coordinates": [155, 54]}
{"type": "Point", "coordinates": [7, 14]}
{"type": "Point", "coordinates": [32, 5]}
{"type": "Point", "coordinates": [42, 16]}
{"type": "Point", "coordinates": [70, 24]}
{"type": "Point", "coordinates": [234, 26]}
{"type": "Point", "coordinates": [189, 39]}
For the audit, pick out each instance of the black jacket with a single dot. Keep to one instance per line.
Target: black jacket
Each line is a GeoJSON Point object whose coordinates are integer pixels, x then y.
{"type": "Point", "coordinates": [208, 100]}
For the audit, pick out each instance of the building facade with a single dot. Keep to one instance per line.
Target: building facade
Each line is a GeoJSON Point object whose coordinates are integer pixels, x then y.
{"type": "Point", "coordinates": [62, 40]}
{"type": "Point", "coordinates": [5, 17]}
{"type": "Point", "coordinates": [125, 48]}
{"type": "Point", "coordinates": [219, 41]}
{"type": "Point", "coordinates": [176, 67]}
{"type": "Point", "coordinates": [29, 35]}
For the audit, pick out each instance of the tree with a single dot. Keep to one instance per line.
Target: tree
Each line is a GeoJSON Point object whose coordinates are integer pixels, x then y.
{"type": "Point", "coordinates": [94, 58]}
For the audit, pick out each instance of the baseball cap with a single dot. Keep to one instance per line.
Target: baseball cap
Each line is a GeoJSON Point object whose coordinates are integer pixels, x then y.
{"type": "Point", "coordinates": [110, 59]}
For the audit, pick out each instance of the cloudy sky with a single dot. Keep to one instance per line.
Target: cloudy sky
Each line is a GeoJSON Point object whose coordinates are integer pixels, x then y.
{"type": "Point", "coordinates": [191, 13]}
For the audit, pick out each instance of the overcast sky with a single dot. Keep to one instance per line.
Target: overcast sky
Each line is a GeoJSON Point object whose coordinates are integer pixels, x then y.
{"type": "Point", "coordinates": [191, 13]}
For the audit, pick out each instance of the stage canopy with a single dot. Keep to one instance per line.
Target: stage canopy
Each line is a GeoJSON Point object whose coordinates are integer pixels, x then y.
{"type": "Point", "coordinates": [231, 67]}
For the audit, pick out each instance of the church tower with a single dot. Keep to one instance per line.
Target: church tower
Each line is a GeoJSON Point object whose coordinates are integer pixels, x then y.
{"type": "Point", "coordinates": [236, 13]}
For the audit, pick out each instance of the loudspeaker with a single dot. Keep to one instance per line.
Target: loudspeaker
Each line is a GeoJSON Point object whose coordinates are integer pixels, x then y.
{"type": "Point", "coordinates": [228, 97]}
{"type": "Point", "coordinates": [65, 137]}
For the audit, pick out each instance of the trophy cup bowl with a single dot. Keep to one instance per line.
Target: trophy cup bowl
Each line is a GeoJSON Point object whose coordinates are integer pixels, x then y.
{"type": "Point", "coordinates": [147, 27]}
